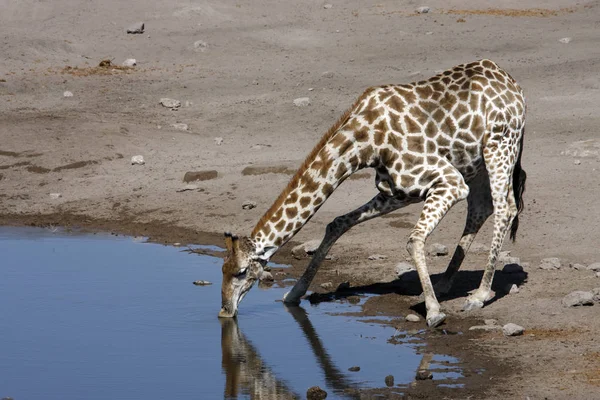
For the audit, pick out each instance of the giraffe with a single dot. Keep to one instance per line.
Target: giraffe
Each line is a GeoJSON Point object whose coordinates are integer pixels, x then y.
{"type": "Point", "coordinates": [457, 135]}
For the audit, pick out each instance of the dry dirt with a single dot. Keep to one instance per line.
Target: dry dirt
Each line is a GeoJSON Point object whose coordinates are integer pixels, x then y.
{"type": "Point", "coordinates": [237, 67]}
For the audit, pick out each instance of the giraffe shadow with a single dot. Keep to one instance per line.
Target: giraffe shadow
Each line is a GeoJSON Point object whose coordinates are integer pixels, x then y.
{"type": "Point", "coordinates": [409, 285]}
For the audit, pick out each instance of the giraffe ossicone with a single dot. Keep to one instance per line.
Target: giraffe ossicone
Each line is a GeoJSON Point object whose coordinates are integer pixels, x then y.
{"type": "Point", "coordinates": [455, 136]}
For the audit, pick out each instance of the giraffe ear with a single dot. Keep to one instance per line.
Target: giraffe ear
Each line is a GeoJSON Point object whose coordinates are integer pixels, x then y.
{"type": "Point", "coordinates": [229, 242]}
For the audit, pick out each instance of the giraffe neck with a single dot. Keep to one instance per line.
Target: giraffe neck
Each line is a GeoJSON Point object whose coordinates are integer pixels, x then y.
{"type": "Point", "coordinates": [339, 154]}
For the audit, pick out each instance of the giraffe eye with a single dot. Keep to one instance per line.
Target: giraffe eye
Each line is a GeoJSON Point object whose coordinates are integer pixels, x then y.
{"type": "Point", "coordinates": [241, 274]}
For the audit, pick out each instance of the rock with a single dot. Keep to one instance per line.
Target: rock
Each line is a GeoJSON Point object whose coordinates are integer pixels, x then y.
{"type": "Point", "coordinates": [565, 40]}
{"type": "Point", "coordinates": [327, 74]}
{"type": "Point", "coordinates": [187, 187]}
{"type": "Point", "coordinates": [266, 276]}
{"type": "Point", "coordinates": [511, 329]}
{"type": "Point", "coordinates": [402, 268]}
{"type": "Point", "coordinates": [412, 318]}
{"type": "Point", "coordinates": [67, 94]}
{"type": "Point", "coordinates": [423, 375]}
{"type": "Point", "coordinates": [192, 176]}
{"type": "Point", "coordinates": [577, 266]}
{"type": "Point", "coordinates": [316, 393]}
{"type": "Point", "coordinates": [137, 160]}
{"type": "Point", "coordinates": [485, 328]}
{"type": "Point", "coordinates": [353, 299]}
{"type": "Point", "coordinates": [136, 28]}
{"type": "Point", "coordinates": [355, 368]}
{"type": "Point", "coordinates": [306, 248]}
{"type": "Point", "coordinates": [551, 263]}
{"type": "Point", "coordinates": [597, 274]}
{"type": "Point", "coordinates": [478, 248]}
{"type": "Point", "coordinates": [326, 285]}
{"type": "Point", "coordinates": [423, 10]}
{"type": "Point", "coordinates": [181, 126]}
{"type": "Point", "coordinates": [490, 321]}
{"type": "Point", "coordinates": [389, 380]}
{"type": "Point", "coordinates": [328, 6]}
{"type": "Point", "coordinates": [202, 283]}
{"type": "Point", "coordinates": [200, 45]}
{"type": "Point", "coordinates": [302, 102]}
{"type": "Point", "coordinates": [218, 141]}
{"type": "Point", "coordinates": [437, 249]}
{"type": "Point", "coordinates": [577, 162]}
{"type": "Point", "coordinates": [130, 62]}
{"type": "Point", "coordinates": [584, 149]}
{"type": "Point", "coordinates": [55, 196]}
{"type": "Point", "coordinates": [170, 103]}
{"type": "Point", "coordinates": [377, 257]}
{"type": "Point", "coordinates": [248, 205]}
{"type": "Point", "coordinates": [596, 293]}
{"type": "Point", "coordinates": [594, 267]}
{"type": "Point", "coordinates": [512, 269]}
{"type": "Point", "coordinates": [512, 288]}
{"type": "Point", "coordinates": [578, 298]}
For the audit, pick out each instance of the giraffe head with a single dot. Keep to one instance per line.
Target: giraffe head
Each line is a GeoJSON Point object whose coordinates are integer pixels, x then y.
{"type": "Point", "coordinates": [241, 269]}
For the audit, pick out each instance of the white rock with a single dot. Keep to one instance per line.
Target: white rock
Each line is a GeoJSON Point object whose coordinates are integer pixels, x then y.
{"type": "Point", "coordinates": [512, 269]}
{"type": "Point", "coordinates": [55, 196]}
{"type": "Point", "coordinates": [138, 27]}
{"type": "Point", "coordinates": [130, 62]}
{"type": "Point", "coordinates": [596, 293]}
{"type": "Point", "coordinates": [328, 6]}
{"type": "Point", "coordinates": [511, 329]}
{"type": "Point", "coordinates": [377, 257]}
{"type": "Point", "coordinates": [170, 103]}
{"type": "Point", "coordinates": [402, 268]}
{"type": "Point", "coordinates": [306, 248]}
{"type": "Point", "coordinates": [429, 33]}
{"type": "Point", "coordinates": [597, 274]}
{"type": "Point", "coordinates": [202, 283]}
{"type": "Point", "coordinates": [412, 318]}
{"type": "Point", "coordinates": [137, 160]}
{"type": "Point", "coordinates": [188, 187]}
{"type": "Point", "coordinates": [565, 40]}
{"type": "Point", "coordinates": [67, 94]}
{"type": "Point", "coordinates": [578, 298]}
{"type": "Point", "coordinates": [551, 263]}
{"type": "Point", "coordinates": [181, 126]}
{"type": "Point", "coordinates": [218, 141]}
{"type": "Point", "coordinates": [577, 162]}
{"type": "Point", "coordinates": [249, 205]}
{"type": "Point", "coordinates": [594, 267]}
{"type": "Point", "coordinates": [423, 10]}
{"type": "Point", "coordinates": [437, 249]}
{"type": "Point", "coordinates": [200, 45]}
{"type": "Point", "coordinates": [327, 285]}
{"type": "Point", "coordinates": [584, 148]}
{"type": "Point", "coordinates": [302, 102]}
{"type": "Point", "coordinates": [327, 74]}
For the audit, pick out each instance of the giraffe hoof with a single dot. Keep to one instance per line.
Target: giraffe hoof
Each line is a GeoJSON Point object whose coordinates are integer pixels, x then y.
{"type": "Point", "coordinates": [472, 304]}
{"type": "Point", "coordinates": [435, 320]}
{"type": "Point", "coordinates": [290, 300]}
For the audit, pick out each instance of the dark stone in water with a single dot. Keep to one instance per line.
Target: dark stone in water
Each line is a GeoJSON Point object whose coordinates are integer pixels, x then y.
{"type": "Point", "coordinates": [354, 299]}
{"type": "Point", "coordinates": [356, 368]}
{"type": "Point", "coordinates": [316, 393]}
{"type": "Point", "coordinates": [389, 380]}
{"type": "Point", "coordinates": [202, 283]}
{"type": "Point", "coordinates": [423, 375]}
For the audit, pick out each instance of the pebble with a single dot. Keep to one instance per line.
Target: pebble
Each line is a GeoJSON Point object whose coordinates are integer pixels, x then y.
{"type": "Point", "coordinates": [302, 102]}
{"type": "Point", "coordinates": [353, 299]}
{"type": "Point", "coordinates": [511, 329]}
{"type": "Point", "coordinates": [328, 6]}
{"type": "Point", "coordinates": [565, 40]}
{"type": "Point", "coordinates": [192, 176]}
{"type": "Point", "coordinates": [485, 328]}
{"type": "Point", "coordinates": [412, 318]}
{"type": "Point", "coordinates": [402, 268]}
{"type": "Point", "coordinates": [437, 249]}
{"type": "Point", "coordinates": [327, 285]}
{"type": "Point", "coordinates": [578, 298]}
{"type": "Point", "coordinates": [512, 269]}
{"type": "Point", "coordinates": [355, 368]}
{"type": "Point", "coordinates": [577, 162]}
{"type": "Point", "coordinates": [266, 276]}
{"type": "Point", "coordinates": [138, 27]}
{"type": "Point", "coordinates": [377, 257]}
{"type": "Point", "coordinates": [316, 393]}
{"type": "Point", "coordinates": [594, 267]}
{"type": "Point", "coordinates": [597, 274]}
{"type": "Point", "coordinates": [389, 380]}
{"type": "Point", "coordinates": [423, 375]}
{"type": "Point", "coordinates": [490, 321]}
{"type": "Point", "coordinates": [577, 266]}
{"type": "Point", "coordinates": [170, 103]}
{"type": "Point", "coordinates": [187, 187]}
{"type": "Point", "coordinates": [130, 62]}
{"type": "Point", "coordinates": [55, 196]}
{"type": "Point", "coordinates": [327, 74]}
{"type": "Point", "coordinates": [218, 141]}
{"type": "Point", "coordinates": [423, 10]}
{"type": "Point", "coordinates": [551, 263]}
{"type": "Point", "coordinates": [67, 94]}
{"type": "Point", "coordinates": [200, 45]}
{"type": "Point", "coordinates": [248, 205]}
{"type": "Point", "coordinates": [202, 283]}
{"type": "Point", "coordinates": [181, 126]}
{"type": "Point", "coordinates": [137, 160]}
{"type": "Point", "coordinates": [596, 293]}
{"type": "Point", "coordinates": [305, 249]}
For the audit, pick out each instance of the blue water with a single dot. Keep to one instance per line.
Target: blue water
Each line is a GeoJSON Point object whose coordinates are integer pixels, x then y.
{"type": "Point", "coordinates": [105, 317]}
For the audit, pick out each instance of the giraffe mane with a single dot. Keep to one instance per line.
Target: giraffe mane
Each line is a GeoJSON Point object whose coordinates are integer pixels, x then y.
{"type": "Point", "coordinates": [293, 183]}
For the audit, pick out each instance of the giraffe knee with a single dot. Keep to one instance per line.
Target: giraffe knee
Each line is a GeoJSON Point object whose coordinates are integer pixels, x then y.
{"type": "Point", "coordinates": [414, 242]}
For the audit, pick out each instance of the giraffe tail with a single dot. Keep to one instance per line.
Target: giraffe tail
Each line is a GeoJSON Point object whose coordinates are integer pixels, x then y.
{"type": "Point", "coordinates": [519, 178]}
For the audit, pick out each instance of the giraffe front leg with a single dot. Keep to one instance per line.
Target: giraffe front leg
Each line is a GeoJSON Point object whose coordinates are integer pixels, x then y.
{"type": "Point", "coordinates": [378, 205]}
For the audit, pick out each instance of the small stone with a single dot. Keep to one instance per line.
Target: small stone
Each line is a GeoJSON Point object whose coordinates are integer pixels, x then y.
{"type": "Point", "coordinates": [577, 162]}
{"type": "Point", "coordinates": [403, 268]}
{"type": "Point", "coordinates": [130, 62]}
{"type": "Point", "coordinates": [311, 89]}
{"type": "Point", "coordinates": [565, 40]}
{"type": "Point", "coordinates": [596, 293]}
{"type": "Point", "coordinates": [302, 102]}
{"type": "Point", "coordinates": [136, 28]}
{"type": "Point", "coordinates": [423, 375]}
{"type": "Point", "coordinates": [326, 285]}
{"type": "Point", "coordinates": [511, 329]}
{"type": "Point", "coordinates": [181, 126]}
{"type": "Point", "coordinates": [377, 257]}
{"type": "Point", "coordinates": [200, 45]}
{"type": "Point", "coordinates": [512, 288]}
{"type": "Point", "coordinates": [316, 393]}
{"type": "Point", "coordinates": [202, 283]}
{"type": "Point", "coordinates": [412, 318]}
{"type": "Point", "coordinates": [597, 274]}
{"type": "Point", "coordinates": [389, 380]}
{"type": "Point", "coordinates": [218, 141]}
{"type": "Point", "coordinates": [305, 249]}
{"type": "Point", "coordinates": [248, 205]}
{"type": "Point", "coordinates": [192, 176]}
{"type": "Point", "coordinates": [266, 276]}
{"type": "Point", "coordinates": [67, 94]}
{"type": "Point", "coordinates": [490, 321]}
{"type": "Point", "coordinates": [137, 160]}
{"type": "Point", "coordinates": [577, 266]}
{"type": "Point", "coordinates": [355, 368]}
{"type": "Point", "coordinates": [170, 103]}
{"type": "Point", "coordinates": [327, 74]}
{"type": "Point", "coordinates": [328, 6]}
{"type": "Point", "coordinates": [353, 299]}
{"type": "Point", "coordinates": [437, 250]}
{"type": "Point", "coordinates": [187, 188]}
{"type": "Point", "coordinates": [485, 328]}
{"type": "Point", "coordinates": [429, 33]}
{"type": "Point", "coordinates": [578, 298]}
{"type": "Point", "coordinates": [423, 10]}
{"type": "Point", "coordinates": [512, 269]}
{"type": "Point", "coordinates": [594, 267]}
{"type": "Point", "coordinates": [551, 263]}
{"type": "Point", "coordinates": [478, 248]}
{"type": "Point", "coordinates": [55, 196]}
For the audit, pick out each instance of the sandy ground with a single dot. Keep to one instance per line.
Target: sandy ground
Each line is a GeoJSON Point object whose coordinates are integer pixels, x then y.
{"type": "Point", "coordinates": [237, 67]}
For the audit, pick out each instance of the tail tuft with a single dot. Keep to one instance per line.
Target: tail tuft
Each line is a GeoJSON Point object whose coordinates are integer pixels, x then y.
{"type": "Point", "coordinates": [519, 178]}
